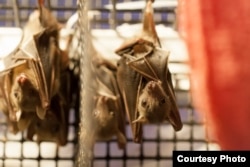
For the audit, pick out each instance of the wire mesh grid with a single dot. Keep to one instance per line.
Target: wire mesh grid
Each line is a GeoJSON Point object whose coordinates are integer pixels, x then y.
{"type": "Point", "coordinates": [158, 140]}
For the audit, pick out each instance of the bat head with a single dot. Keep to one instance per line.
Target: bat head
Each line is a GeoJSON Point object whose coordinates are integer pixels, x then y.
{"type": "Point", "coordinates": [107, 122]}
{"type": "Point", "coordinates": [104, 110]}
{"type": "Point", "coordinates": [24, 95]}
{"type": "Point", "coordinates": [153, 104]}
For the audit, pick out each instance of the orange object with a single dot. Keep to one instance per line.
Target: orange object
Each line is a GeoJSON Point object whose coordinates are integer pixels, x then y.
{"type": "Point", "coordinates": [217, 34]}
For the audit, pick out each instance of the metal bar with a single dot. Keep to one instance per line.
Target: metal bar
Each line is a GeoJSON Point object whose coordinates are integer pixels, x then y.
{"type": "Point", "coordinates": [86, 133]}
{"type": "Point", "coordinates": [16, 13]}
{"type": "Point", "coordinates": [112, 20]}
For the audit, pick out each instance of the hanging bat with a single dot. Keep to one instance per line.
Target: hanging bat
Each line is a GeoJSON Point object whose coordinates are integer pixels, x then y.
{"type": "Point", "coordinates": [32, 72]}
{"type": "Point", "coordinates": [31, 78]}
{"type": "Point", "coordinates": [145, 80]}
{"type": "Point", "coordinates": [35, 84]}
{"type": "Point", "coordinates": [108, 111]}
{"type": "Point", "coordinates": [158, 94]}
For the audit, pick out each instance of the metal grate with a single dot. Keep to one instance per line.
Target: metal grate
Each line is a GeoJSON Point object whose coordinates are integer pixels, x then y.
{"type": "Point", "coordinates": [158, 140]}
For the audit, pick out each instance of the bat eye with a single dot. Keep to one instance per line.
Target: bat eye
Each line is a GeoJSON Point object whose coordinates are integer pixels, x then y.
{"type": "Point", "coordinates": [144, 103]}
{"type": "Point", "coordinates": [16, 94]}
{"type": "Point", "coordinates": [163, 101]}
{"type": "Point", "coordinates": [112, 113]}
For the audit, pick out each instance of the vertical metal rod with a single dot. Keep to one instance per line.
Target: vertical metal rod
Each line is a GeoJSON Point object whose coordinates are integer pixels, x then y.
{"type": "Point", "coordinates": [49, 4]}
{"type": "Point", "coordinates": [86, 133]}
{"type": "Point", "coordinates": [16, 13]}
{"type": "Point", "coordinates": [112, 20]}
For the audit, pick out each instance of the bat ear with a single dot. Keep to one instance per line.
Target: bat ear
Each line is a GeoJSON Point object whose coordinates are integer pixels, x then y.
{"type": "Point", "coordinates": [141, 119]}
{"type": "Point", "coordinates": [175, 121]}
{"type": "Point", "coordinates": [40, 112]}
{"type": "Point", "coordinates": [23, 124]}
{"type": "Point", "coordinates": [121, 140]}
{"type": "Point", "coordinates": [18, 115]}
{"type": "Point", "coordinates": [31, 132]}
{"type": "Point", "coordinates": [24, 121]}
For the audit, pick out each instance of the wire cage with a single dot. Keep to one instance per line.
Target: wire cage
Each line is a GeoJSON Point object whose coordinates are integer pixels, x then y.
{"type": "Point", "coordinates": [107, 24]}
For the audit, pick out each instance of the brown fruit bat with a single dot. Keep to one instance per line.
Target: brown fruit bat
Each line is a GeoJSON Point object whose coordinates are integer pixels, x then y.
{"type": "Point", "coordinates": [32, 72]}
{"type": "Point", "coordinates": [35, 84]}
{"type": "Point", "coordinates": [31, 77]}
{"type": "Point", "coordinates": [107, 121]}
{"type": "Point", "coordinates": [145, 80]}
{"type": "Point", "coordinates": [108, 109]}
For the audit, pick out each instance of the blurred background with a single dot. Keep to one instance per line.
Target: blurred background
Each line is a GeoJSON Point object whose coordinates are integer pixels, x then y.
{"type": "Point", "coordinates": [111, 22]}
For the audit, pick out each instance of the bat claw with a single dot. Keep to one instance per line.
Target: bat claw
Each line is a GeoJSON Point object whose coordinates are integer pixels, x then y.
{"type": "Point", "coordinates": [41, 113]}
{"type": "Point", "coordinates": [141, 119]}
{"type": "Point", "coordinates": [18, 115]}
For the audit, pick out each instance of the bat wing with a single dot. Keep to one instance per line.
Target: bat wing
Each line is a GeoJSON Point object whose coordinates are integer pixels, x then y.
{"type": "Point", "coordinates": [41, 53]}
{"type": "Point", "coordinates": [106, 81]}
{"type": "Point", "coordinates": [49, 57]}
{"type": "Point", "coordinates": [60, 109]}
{"type": "Point", "coordinates": [150, 65]}
{"type": "Point", "coordinates": [5, 93]}
{"type": "Point", "coordinates": [174, 115]}
{"type": "Point", "coordinates": [30, 53]}
{"type": "Point", "coordinates": [128, 82]}
{"type": "Point", "coordinates": [162, 70]}
{"type": "Point", "coordinates": [9, 63]}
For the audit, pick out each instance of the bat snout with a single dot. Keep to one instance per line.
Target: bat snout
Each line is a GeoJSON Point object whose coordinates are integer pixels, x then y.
{"type": "Point", "coordinates": [22, 79]}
